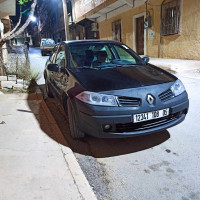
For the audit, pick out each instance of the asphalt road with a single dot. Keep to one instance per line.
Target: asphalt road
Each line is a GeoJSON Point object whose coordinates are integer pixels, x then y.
{"type": "Point", "coordinates": [160, 166]}
{"type": "Point", "coordinates": [38, 63]}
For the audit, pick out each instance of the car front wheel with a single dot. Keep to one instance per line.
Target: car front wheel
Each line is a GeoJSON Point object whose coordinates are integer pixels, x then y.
{"type": "Point", "coordinates": [75, 131]}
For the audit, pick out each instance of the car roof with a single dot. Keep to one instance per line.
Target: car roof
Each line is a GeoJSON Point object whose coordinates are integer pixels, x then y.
{"type": "Point", "coordinates": [89, 41]}
{"type": "Point", "coordinates": [46, 39]}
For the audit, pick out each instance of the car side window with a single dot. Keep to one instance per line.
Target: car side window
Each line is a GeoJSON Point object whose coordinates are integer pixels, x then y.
{"type": "Point", "coordinates": [110, 56]}
{"type": "Point", "coordinates": [124, 55]}
{"type": "Point", "coordinates": [51, 58]}
{"type": "Point", "coordinates": [61, 57]}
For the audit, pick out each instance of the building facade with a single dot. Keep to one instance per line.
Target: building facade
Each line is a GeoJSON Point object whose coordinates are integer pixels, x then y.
{"type": "Point", "coordinates": [7, 8]}
{"type": "Point", "coordinates": [156, 28]}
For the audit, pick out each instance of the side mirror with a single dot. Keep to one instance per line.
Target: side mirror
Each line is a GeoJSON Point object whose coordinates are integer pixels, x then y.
{"type": "Point", "coordinates": [145, 60]}
{"type": "Point", "coordinates": [53, 67]}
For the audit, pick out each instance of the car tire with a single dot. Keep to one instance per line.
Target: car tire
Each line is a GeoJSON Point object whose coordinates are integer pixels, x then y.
{"type": "Point", "coordinates": [74, 129]}
{"type": "Point", "coordinates": [48, 90]}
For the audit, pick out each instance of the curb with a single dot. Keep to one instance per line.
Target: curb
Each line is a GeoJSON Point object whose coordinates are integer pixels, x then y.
{"type": "Point", "coordinates": [80, 180]}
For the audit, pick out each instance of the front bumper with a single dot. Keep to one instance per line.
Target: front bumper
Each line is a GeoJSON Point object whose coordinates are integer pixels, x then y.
{"type": "Point", "coordinates": [121, 121]}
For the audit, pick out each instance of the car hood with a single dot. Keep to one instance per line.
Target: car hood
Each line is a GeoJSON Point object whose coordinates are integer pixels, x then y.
{"type": "Point", "coordinates": [122, 77]}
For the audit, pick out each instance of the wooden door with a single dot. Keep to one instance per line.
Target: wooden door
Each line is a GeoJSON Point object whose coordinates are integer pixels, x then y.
{"type": "Point", "coordinates": [140, 35]}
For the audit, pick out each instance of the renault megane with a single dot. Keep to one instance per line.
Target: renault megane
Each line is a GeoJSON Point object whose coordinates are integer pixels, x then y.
{"type": "Point", "coordinates": [108, 90]}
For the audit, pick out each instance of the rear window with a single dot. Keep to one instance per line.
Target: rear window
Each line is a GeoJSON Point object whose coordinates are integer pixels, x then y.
{"type": "Point", "coordinates": [48, 42]}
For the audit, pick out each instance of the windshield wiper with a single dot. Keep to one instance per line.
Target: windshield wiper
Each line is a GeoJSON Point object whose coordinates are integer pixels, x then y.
{"type": "Point", "coordinates": [125, 65]}
{"type": "Point", "coordinates": [106, 66]}
{"type": "Point", "coordinates": [86, 67]}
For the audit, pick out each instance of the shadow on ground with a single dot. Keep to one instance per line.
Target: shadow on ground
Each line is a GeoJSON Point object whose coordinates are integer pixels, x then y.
{"type": "Point", "coordinates": [98, 148]}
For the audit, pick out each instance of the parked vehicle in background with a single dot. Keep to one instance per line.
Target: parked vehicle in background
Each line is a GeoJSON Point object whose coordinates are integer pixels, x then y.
{"type": "Point", "coordinates": [109, 91]}
{"type": "Point", "coordinates": [46, 46]}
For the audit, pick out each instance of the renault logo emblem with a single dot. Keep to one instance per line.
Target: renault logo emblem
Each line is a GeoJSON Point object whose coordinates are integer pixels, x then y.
{"type": "Point", "coordinates": [150, 99]}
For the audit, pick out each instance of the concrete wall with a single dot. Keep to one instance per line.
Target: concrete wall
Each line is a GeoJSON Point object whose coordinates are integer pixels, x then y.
{"type": "Point", "coordinates": [185, 45]}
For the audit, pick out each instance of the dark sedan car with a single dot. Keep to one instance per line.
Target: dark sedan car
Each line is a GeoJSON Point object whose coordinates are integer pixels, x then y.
{"type": "Point", "coordinates": [109, 91]}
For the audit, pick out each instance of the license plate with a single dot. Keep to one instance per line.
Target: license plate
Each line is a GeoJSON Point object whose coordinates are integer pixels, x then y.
{"type": "Point", "coordinates": [150, 115]}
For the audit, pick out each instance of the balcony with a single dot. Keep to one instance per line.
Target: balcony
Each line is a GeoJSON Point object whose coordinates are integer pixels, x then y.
{"type": "Point", "coordinates": [7, 8]}
{"type": "Point", "coordinates": [103, 9]}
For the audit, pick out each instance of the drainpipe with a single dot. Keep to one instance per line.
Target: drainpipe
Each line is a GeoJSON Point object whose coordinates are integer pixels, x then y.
{"type": "Point", "coordinates": [147, 12]}
{"type": "Point", "coordinates": [160, 44]}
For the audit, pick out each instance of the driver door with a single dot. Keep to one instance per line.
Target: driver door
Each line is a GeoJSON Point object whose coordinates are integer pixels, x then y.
{"type": "Point", "coordinates": [60, 77]}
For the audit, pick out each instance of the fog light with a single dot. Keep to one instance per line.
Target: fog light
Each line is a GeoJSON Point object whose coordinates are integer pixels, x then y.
{"type": "Point", "coordinates": [107, 127]}
{"type": "Point", "coordinates": [180, 113]}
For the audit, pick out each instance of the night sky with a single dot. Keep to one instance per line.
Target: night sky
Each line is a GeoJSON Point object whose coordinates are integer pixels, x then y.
{"type": "Point", "coordinates": [25, 6]}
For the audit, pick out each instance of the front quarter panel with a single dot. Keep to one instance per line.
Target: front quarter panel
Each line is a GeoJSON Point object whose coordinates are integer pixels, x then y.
{"type": "Point", "coordinates": [73, 86]}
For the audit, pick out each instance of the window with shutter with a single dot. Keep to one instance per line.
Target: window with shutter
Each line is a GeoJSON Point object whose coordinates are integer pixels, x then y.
{"type": "Point", "coordinates": [170, 18]}
{"type": "Point", "coordinates": [116, 30]}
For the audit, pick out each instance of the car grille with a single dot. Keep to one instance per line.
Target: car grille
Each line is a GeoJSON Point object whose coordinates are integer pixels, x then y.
{"type": "Point", "coordinates": [167, 95]}
{"type": "Point", "coordinates": [130, 127]}
{"type": "Point", "coordinates": [129, 101]}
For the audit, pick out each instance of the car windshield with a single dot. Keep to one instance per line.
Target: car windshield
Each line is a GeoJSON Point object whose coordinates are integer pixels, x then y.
{"type": "Point", "coordinates": [98, 55]}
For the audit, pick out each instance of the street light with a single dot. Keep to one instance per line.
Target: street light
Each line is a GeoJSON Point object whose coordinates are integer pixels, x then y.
{"type": "Point", "coordinates": [33, 18]}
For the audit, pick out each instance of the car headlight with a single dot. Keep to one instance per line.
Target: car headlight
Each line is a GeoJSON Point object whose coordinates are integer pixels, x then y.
{"type": "Point", "coordinates": [97, 99]}
{"type": "Point", "coordinates": [177, 88]}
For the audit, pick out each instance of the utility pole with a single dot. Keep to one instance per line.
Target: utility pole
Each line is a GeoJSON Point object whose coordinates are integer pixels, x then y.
{"type": "Point", "coordinates": [66, 22]}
